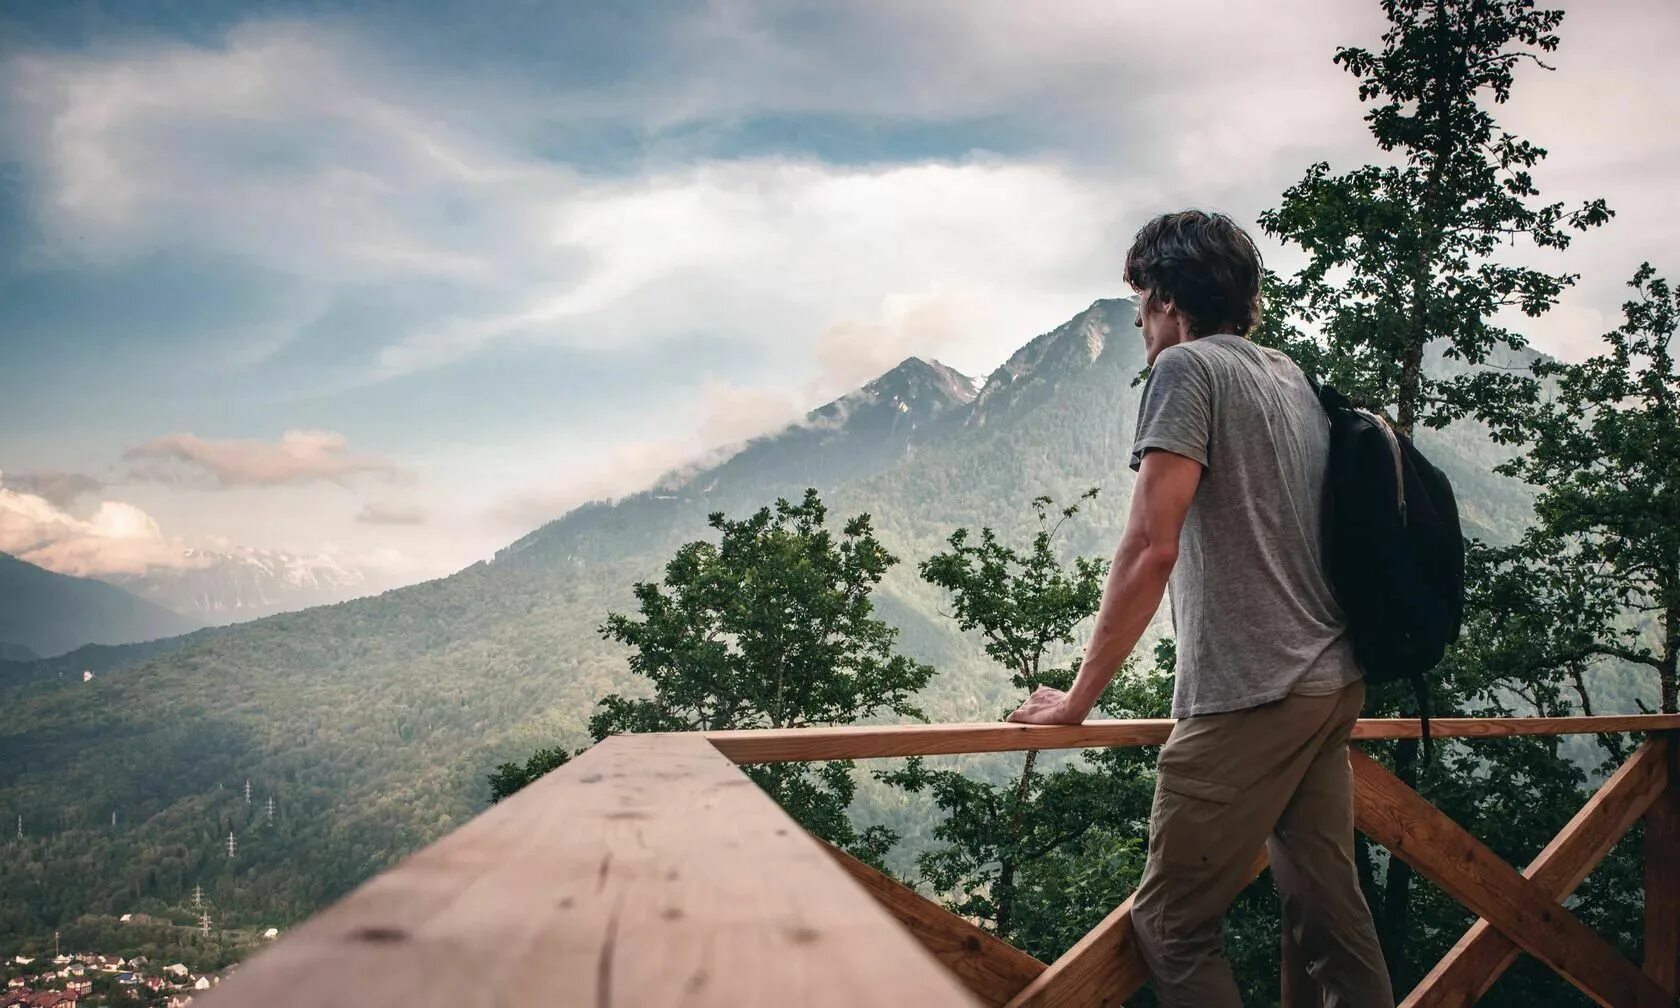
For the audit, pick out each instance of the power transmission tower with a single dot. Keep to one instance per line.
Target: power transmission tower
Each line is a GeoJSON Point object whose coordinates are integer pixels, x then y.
{"type": "Point", "coordinates": [198, 897]}
{"type": "Point", "coordinates": [270, 808]}
{"type": "Point", "coordinates": [247, 790]}
{"type": "Point", "coordinates": [233, 845]}
{"type": "Point", "coordinates": [204, 923]}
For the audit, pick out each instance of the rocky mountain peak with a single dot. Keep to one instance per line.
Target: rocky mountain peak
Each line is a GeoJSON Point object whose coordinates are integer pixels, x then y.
{"type": "Point", "coordinates": [1103, 329]}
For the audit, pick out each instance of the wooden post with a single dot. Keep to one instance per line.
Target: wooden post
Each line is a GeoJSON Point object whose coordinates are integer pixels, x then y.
{"type": "Point", "coordinates": [1662, 881]}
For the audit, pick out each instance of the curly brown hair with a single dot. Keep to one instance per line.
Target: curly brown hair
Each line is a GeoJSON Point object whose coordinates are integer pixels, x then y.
{"type": "Point", "coordinates": [1204, 264]}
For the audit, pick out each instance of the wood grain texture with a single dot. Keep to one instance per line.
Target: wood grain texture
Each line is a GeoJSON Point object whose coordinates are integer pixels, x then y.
{"type": "Point", "coordinates": [1103, 969]}
{"type": "Point", "coordinates": [1662, 881]}
{"type": "Point", "coordinates": [992, 969]}
{"type": "Point", "coordinates": [648, 871]}
{"type": "Point", "coordinates": [1396, 816]}
{"type": "Point", "coordinates": [1483, 954]}
{"type": "Point", "coordinates": [788, 745]}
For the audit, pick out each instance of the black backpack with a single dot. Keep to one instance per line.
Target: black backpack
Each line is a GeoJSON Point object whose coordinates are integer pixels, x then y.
{"type": "Point", "coordinates": [1394, 551]}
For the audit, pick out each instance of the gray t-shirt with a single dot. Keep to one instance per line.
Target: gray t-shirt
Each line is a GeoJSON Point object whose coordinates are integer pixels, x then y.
{"type": "Point", "coordinates": [1252, 610]}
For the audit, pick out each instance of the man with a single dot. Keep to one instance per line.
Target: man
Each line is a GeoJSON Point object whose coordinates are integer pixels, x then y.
{"type": "Point", "coordinates": [1231, 449]}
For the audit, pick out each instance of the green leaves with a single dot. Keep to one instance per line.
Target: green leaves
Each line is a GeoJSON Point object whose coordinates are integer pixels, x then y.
{"type": "Point", "coordinates": [772, 626]}
{"type": "Point", "coordinates": [1404, 255]}
{"type": "Point", "coordinates": [510, 777]}
{"type": "Point", "coordinates": [1602, 563]}
{"type": "Point", "coordinates": [1042, 857]}
{"type": "Point", "coordinates": [1022, 602]}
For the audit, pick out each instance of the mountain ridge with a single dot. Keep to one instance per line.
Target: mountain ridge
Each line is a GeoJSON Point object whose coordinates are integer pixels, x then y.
{"type": "Point", "coordinates": [51, 613]}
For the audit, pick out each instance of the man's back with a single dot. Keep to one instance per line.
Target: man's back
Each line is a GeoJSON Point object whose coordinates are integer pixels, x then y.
{"type": "Point", "coordinates": [1253, 612]}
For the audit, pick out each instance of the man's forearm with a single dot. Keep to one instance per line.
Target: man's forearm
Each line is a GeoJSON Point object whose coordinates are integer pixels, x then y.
{"type": "Point", "coordinates": [1136, 581]}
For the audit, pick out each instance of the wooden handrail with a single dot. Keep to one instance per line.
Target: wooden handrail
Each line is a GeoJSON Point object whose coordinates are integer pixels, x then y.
{"type": "Point", "coordinates": [792, 745]}
{"type": "Point", "coordinates": [648, 871]}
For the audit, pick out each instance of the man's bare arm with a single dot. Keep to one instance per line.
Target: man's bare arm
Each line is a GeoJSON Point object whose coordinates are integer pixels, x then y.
{"type": "Point", "coordinates": [1136, 581]}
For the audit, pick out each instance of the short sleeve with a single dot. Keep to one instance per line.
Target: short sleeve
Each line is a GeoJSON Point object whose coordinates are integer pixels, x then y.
{"type": "Point", "coordinates": [1176, 413]}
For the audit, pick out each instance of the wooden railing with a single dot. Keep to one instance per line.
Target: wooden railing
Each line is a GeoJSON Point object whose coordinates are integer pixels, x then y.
{"type": "Point", "coordinates": [651, 871]}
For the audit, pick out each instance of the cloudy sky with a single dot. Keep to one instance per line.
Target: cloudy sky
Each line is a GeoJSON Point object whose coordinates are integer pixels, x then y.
{"type": "Point", "coordinates": [398, 282]}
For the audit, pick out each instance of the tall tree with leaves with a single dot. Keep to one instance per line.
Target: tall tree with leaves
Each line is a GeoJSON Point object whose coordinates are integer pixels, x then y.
{"type": "Point", "coordinates": [772, 626]}
{"type": "Point", "coordinates": [1009, 852]}
{"type": "Point", "coordinates": [1603, 450]}
{"type": "Point", "coordinates": [1406, 255]}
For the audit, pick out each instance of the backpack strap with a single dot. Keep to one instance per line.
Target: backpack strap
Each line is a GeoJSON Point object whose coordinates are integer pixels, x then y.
{"type": "Point", "coordinates": [1420, 684]}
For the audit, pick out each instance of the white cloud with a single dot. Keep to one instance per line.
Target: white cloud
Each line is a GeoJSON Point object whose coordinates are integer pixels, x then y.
{"type": "Point", "coordinates": [389, 513]}
{"type": "Point", "coordinates": [774, 251]}
{"type": "Point", "coordinates": [279, 145]}
{"type": "Point", "coordinates": [300, 456]}
{"type": "Point", "coordinates": [117, 538]}
{"type": "Point", "coordinates": [713, 425]}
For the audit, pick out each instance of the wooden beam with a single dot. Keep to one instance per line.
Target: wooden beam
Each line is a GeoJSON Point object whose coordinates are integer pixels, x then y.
{"type": "Point", "coordinates": [787, 745]}
{"type": "Point", "coordinates": [1396, 816]}
{"type": "Point", "coordinates": [991, 968]}
{"type": "Point", "coordinates": [1662, 881]}
{"type": "Point", "coordinates": [1103, 969]}
{"type": "Point", "coordinates": [1471, 728]}
{"type": "Point", "coordinates": [648, 871]}
{"type": "Point", "coordinates": [1483, 954]}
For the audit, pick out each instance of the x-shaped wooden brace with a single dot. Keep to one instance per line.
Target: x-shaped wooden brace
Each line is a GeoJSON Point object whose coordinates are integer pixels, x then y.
{"type": "Point", "coordinates": [1517, 911]}
{"type": "Point", "coordinates": [1520, 912]}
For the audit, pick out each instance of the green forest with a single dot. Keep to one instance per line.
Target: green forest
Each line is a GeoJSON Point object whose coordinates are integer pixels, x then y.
{"type": "Point", "coordinates": [328, 743]}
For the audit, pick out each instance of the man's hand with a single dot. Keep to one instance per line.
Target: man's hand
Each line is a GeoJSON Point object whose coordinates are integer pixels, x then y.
{"type": "Point", "coordinates": [1048, 706]}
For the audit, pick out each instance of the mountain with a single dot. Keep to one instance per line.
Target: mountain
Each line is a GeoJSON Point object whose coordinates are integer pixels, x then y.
{"type": "Point", "coordinates": [373, 722]}
{"type": "Point", "coordinates": [861, 432]}
{"type": "Point", "coordinates": [244, 583]}
{"type": "Point", "coordinates": [49, 613]}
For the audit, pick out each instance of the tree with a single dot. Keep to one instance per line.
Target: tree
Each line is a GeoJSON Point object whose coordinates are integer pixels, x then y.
{"type": "Point", "coordinates": [510, 777]}
{"type": "Point", "coordinates": [1604, 454]}
{"type": "Point", "coordinates": [1402, 256]}
{"type": "Point", "coordinates": [1405, 255]}
{"type": "Point", "coordinates": [770, 627]}
{"type": "Point", "coordinates": [1023, 854]}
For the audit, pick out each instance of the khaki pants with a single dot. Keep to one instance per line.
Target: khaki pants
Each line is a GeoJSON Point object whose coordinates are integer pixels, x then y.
{"type": "Point", "coordinates": [1276, 774]}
